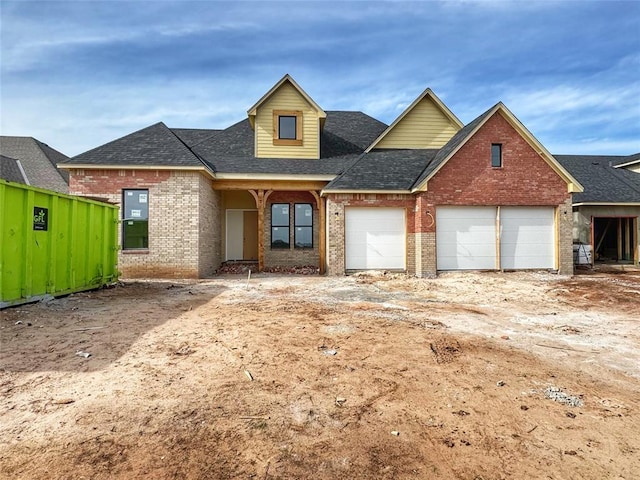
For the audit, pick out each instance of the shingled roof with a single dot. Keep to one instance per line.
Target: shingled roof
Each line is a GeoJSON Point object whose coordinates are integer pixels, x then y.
{"type": "Point", "coordinates": [193, 136]}
{"type": "Point", "coordinates": [38, 161]}
{"type": "Point", "coordinates": [393, 170]}
{"type": "Point", "coordinates": [603, 183]}
{"type": "Point", "coordinates": [11, 170]}
{"type": "Point", "coordinates": [155, 146]}
{"type": "Point", "coordinates": [344, 137]}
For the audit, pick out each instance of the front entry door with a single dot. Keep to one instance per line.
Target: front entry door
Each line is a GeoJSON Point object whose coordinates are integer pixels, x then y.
{"type": "Point", "coordinates": [250, 235]}
{"type": "Point", "coordinates": [242, 235]}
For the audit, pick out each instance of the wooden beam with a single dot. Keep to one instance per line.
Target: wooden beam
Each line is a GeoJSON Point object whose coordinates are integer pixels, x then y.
{"type": "Point", "coordinates": [627, 239]}
{"type": "Point", "coordinates": [322, 247]}
{"type": "Point", "coordinates": [620, 252]}
{"type": "Point", "coordinates": [285, 185]}
{"type": "Point", "coordinates": [634, 240]}
{"type": "Point", "coordinates": [260, 202]}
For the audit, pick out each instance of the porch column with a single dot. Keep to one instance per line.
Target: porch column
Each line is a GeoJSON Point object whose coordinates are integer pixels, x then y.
{"type": "Point", "coordinates": [260, 196]}
{"type": "Point", "coordinates": [322, 230]}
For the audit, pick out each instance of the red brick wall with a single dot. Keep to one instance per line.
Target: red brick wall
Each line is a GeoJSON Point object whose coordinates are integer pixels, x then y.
{"type": "Point", "coordinates": [99, 182]}
{"type": "Point", "coordinates": [469, 179]}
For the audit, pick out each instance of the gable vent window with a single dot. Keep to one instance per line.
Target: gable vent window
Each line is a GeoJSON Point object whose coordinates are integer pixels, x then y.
{"type": "Point", "coordinates": [496, 155]}
{"type": "Point", "coordinates": [287, 127]}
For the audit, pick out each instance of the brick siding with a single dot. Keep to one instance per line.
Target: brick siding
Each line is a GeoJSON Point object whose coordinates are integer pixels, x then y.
{"type": "Point", "coordinates": [184, 220]}
{"type": "Point", "coordinates": [468, 179]}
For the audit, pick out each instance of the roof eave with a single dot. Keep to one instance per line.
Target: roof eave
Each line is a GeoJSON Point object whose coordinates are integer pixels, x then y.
{"type": "Point", "coordinates": [607, 204]}
{"type": "Point", "coordinates": [92, 166]}
{"type": "Point", "coordinates": [366, 191]}
{"type": "Point", "coordinates": [627, 164]}
{"type": "Point", "coordinates": [274, 176]}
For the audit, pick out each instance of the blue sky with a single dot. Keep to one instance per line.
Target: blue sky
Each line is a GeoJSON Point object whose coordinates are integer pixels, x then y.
{"type": "Point", "coordinates": [77, 74]}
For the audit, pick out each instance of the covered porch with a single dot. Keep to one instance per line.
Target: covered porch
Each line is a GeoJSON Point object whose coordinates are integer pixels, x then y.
{"type": "Point", "coordinates": [276, 224]}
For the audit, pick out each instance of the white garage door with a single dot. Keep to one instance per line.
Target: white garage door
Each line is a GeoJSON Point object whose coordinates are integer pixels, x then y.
{"type": "Point", "coordinates": [375, 238]}
{"type": "Point", "coordinates": [466, 238]}
{"type": "Point", "coordinates": [527, 237]}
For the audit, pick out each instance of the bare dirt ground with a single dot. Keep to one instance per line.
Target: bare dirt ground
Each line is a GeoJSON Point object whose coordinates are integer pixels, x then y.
{"type": "Point", "coordinates": [468, 376]}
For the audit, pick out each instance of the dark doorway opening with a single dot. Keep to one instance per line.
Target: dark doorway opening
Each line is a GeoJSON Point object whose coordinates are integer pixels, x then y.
{"type": "Point", "coordinates": [614, 239]}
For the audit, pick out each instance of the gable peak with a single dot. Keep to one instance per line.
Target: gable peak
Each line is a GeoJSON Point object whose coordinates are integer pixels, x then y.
{"type": "Point", "coordinates": [286, 79]}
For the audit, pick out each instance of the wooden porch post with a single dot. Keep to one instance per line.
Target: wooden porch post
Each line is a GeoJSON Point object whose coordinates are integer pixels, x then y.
{"type": "Point", "coordinates": [260, 196]}
{"type": "Point", "coordinates": [322, 230]}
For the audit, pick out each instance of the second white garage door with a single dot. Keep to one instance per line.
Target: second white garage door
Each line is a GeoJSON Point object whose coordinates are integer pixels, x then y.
{"type": "Point", "coordinates": [466, 238]}
{"type": "Point", "coordinates": [527, 237]}
{"type": "Point", "coordinates": [375, 238]}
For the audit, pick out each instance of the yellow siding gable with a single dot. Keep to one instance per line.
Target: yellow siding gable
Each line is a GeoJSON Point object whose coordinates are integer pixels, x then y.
{"type": "Point", "coordinates": [424, 126]}
{"type": "Point", "coordinates": [287, 98]}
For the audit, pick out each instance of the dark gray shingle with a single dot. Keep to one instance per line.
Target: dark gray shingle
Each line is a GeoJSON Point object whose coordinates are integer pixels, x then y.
{"type": "Point", "coordinates": [384, 170]}
{"type": "Point", "coordinates": [601, 181]}
{"type": "Point", "coordinates": [10, 170]}
{"type": "Point", "coordinates": [156, 145]}
{"type": "Point", "coordinates": [38, 161]}
{"type": "Point", "coordinates": [193, 136]}
{"type": "Point", "coordinates": [344, 137]}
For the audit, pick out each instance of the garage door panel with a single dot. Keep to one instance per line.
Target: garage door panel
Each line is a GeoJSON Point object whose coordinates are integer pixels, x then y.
{"type": "Point", "coordinates": [527, 237]}
{"type": "Point", "coordinates": [375, 238]}
{"type": "Point", "coordinates": [465, 238]}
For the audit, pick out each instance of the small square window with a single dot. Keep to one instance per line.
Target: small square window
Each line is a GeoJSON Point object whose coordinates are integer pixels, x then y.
{"type": "Point", "coordinates": [496, 155]}
{"type": "Point", "coordinates": [287, 127]}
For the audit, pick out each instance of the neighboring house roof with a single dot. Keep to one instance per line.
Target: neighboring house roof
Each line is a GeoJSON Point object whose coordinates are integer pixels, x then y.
{"type": "Point", "coordinates": [603, 182]}
{"type": "Point", "coordinates": [154, 146]}
{"type": "Point", "coordinates": [428, 93]}
{"type": "Point", "coordinates": [459, 139]}
{"type": "Point", "coordinates": [38, 160]}
{"type": "Point", "coordinates": [383, 170]}
{"type": "Point", "coordinates": [11, 170]}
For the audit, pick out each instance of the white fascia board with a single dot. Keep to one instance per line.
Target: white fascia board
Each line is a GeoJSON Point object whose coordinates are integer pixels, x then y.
{"type": "Point", "coordinates": [365, 192]}
{"type": "Point", "coordinates": [273, 176]}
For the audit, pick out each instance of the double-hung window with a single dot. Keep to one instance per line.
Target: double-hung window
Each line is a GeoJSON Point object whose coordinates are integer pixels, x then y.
{"type": "Point", "coordinates": [280, 225]}
{"type": "Point", "coordinates": [303, 226]}
{"type": "Point", "coordinates": [135, 219]}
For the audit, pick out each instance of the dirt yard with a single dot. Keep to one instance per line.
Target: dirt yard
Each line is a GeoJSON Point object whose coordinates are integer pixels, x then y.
{"type": "Point", "coordinates": [468, 376]}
